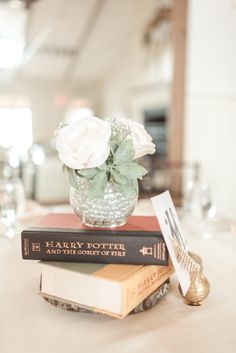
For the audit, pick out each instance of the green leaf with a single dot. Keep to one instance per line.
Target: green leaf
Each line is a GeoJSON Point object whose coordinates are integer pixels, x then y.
{"type": "Point", "coordinates": [131, 170]}
{"type": "Point", "coordinates": [117, 177]}
{"type": "Point", "coordinates": [89, 173]}
{"type": "Point", "coordinates": [103, 167]}
{"type": "Point", "coordinates": [124, 153]}
{"type": "Point", "coordinates": [113, 146]}
{"type": "Point", "coordinates": [72, 178]}
{"type": "Point", "coordinates": [97, 185]}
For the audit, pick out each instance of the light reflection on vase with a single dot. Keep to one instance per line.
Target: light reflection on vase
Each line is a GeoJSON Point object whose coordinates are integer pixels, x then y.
{"type": "Point", "coordinates": [110, 210]}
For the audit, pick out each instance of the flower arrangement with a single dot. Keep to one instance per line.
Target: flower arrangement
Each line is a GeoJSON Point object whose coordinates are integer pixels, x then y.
{"type": "Point", "coordinates": [102, 151]}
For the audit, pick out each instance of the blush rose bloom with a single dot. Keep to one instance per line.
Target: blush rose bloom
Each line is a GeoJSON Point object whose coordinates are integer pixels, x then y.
{"type": "Point", "coordinates": [84, 144]}
{"type": "Point", "coordinates": [142, 141]}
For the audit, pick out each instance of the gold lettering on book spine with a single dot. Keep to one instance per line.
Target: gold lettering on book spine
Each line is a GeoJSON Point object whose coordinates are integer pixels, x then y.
{"type": "Point", "coordinates": [146, 281]}
{"type": "Point", "coordinates": [163, 246]}
{"type": "Point", "coordinates": [158, 251]}
{"type": "Point", "coordinates": [36, 247]}
{"type": "Point", "coordinates": [26, 247]}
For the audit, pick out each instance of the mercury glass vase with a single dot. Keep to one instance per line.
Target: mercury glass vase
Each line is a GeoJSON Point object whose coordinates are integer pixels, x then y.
{"type": "Point", "coordinates": [110, 210]}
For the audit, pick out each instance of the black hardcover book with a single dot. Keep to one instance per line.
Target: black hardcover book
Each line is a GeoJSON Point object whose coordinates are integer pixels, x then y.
{"type": "Point", "coordinates": [62, 237]}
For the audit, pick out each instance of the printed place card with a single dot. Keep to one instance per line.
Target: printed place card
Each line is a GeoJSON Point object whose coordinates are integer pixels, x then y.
{"type": "Point", "coordinates": [171, 230]}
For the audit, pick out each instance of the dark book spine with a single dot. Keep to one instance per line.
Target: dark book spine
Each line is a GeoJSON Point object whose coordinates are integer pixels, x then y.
{"type": "Point", "coordinates": [137, 248]}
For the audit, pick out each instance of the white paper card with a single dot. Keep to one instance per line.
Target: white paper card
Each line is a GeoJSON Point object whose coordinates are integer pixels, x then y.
{"type": "Point", "coordinates": [171, 230]}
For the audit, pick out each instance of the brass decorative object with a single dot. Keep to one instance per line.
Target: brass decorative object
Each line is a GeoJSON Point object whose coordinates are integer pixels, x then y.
{"type": "Point", "coordinates": [188, 265]}
{"type": "Point", "coordinates": [200, 287]}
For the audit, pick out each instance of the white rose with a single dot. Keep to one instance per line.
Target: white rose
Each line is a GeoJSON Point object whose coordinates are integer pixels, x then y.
{"type": "Point", "coordinates": [84, 143]}
{"type": "Point", "coordinates": [141, 139]}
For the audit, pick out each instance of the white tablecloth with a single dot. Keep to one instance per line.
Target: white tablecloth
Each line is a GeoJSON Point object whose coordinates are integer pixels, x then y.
{"type": "Point", "coordinates": [30, 325]}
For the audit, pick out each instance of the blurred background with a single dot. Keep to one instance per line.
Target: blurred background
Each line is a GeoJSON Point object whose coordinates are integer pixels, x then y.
{"type": "Point", "coordinates": [166, 63]}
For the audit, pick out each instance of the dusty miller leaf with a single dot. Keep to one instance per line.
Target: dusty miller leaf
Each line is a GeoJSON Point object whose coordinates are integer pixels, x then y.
{"type": "Point", "coordinates": [131, 170]}
{"type": "Point", "coordinates": [103, 167]}
{"type": "Point", "coordinates": [124, 153]}
{"type": "Point", "coordinates": [89, 173]}
{"type": "Point", "coordinates": [72, 178]}
{"type": "Point", "coordinates": [97, 185]}
{"type": "Point", "coordinates": [113, 147]}
{"type": "Point", "coordinates": [117, 177]}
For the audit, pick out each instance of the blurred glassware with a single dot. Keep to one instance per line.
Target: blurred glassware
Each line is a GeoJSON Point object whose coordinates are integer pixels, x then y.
{"type": "Point", "coordinates": [146, 183]}
{"type": "Point", "coordinates": [208, 208]}
{"type": "Point", "coordinates": [199, 212]}
{"type": "Point", "coordinates": [12, 205]}
{"type": "Point", "coordinates": [10, 163]}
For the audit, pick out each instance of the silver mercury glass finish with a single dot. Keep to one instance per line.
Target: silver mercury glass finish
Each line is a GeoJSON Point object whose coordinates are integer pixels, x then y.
{"type": "Point", "coordinates": [110, 210]}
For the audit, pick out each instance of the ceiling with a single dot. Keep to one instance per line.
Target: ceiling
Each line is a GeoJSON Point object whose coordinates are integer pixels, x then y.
{"type": "Point", "coordinates": [81, 40]}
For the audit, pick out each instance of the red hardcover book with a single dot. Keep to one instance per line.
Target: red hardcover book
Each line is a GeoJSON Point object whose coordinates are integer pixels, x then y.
{"type": "Point", "coordinates": [62, 237]}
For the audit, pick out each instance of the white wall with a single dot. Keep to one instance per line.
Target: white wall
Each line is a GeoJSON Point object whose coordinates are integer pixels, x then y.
{"type": "Point", "coordinates": [210, 121]}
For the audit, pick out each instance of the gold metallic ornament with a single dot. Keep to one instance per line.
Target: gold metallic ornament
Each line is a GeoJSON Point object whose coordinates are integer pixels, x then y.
{"type": "Point", "coordinates": [199, 288]}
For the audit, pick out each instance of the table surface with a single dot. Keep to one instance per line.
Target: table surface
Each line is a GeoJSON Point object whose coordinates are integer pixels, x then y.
{"type": "Point", "coordinates": [30, 325]}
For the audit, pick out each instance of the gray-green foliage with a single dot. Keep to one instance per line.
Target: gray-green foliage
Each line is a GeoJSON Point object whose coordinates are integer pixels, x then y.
{"type": "Point", "coordinates": [124, 153]}
{"type": "Point", "coordinates": [120, 169]}
{"type": "Point", "coordinates": [131, 170]}
{"type": "Point", "coordinates": [72, 177]}
{"type": "Point", "coordinates": [97, 185]}
{"type": "Point", "coordinates": [89, 173]}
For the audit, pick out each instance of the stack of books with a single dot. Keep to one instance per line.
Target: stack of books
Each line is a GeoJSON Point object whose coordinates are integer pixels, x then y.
{"type": "Point", "coordinates": [105, 271]}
